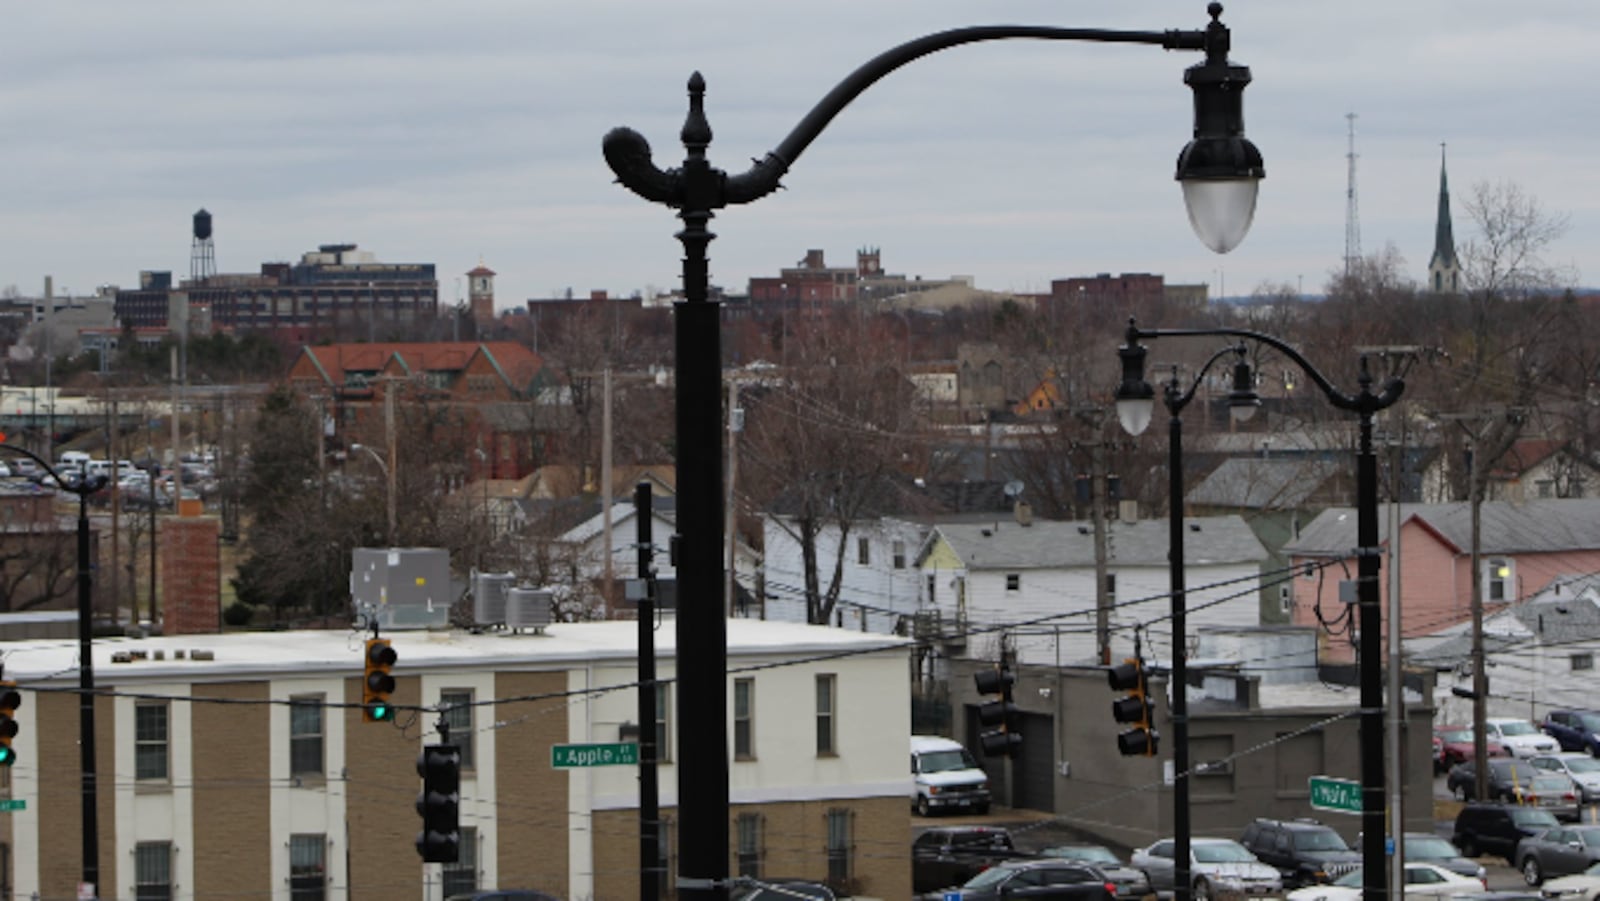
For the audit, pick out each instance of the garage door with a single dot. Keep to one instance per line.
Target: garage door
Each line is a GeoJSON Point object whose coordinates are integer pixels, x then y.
{"type": "Point", "coordinates": [1034, 771]}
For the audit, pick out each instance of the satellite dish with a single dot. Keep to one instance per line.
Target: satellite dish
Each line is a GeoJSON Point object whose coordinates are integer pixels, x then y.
{"type": "Point", "coordinates": [1014, 488]}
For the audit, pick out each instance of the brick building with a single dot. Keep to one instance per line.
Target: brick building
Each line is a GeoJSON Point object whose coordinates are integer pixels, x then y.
{"type": "Point", "coordinates": [237, 765]}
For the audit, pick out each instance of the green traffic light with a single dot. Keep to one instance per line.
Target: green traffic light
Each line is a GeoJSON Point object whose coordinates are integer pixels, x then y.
{"type": "Point", "coordinates": [7, 756]}
{"type": "Point", "coordinates": [381, 712]}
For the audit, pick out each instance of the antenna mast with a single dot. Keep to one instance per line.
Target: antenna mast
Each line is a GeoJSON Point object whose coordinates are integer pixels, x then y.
{"type": "Point", "coordinates": [1352, 218]}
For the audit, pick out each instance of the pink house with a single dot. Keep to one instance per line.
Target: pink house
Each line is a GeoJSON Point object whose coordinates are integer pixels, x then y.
{"type": "Point", "coordinates": [1522, 547]}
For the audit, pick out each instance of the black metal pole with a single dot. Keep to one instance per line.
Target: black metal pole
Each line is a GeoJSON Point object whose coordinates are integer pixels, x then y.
{"type": "Point", "coordinates": [1180, 666]}
{"type": "Point", "coordinates": [82, 486]}
{"type": "Point", "coordinates": [650, 868]}
{"type": "Point", "coordinates": [1373, 832]}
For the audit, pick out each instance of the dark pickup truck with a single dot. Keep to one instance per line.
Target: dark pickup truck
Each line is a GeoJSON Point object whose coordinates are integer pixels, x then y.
{"type": "Point", "coordinates": [948, 856]}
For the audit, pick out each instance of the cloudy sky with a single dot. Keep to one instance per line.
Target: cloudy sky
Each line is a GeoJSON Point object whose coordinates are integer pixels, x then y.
{"type": "Point", "coordinates": [454, 132]}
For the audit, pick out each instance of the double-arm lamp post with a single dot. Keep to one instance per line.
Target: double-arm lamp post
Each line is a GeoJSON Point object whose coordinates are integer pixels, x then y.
{"type": "Point", "coordinates": [1135, 400]}
{"type": "Point", "coordinates": [83, 486]}
{"type": "Point", "coordinates": [1219, 170]}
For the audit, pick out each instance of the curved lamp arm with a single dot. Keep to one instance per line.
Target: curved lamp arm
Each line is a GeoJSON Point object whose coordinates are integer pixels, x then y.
{"type": "Point", "coordinates": [1243, 396]}
{"type": "Point", "coordinates": [83, 486]}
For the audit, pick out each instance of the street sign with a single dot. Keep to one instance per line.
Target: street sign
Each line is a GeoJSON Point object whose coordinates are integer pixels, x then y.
{"type": "Point", "coordinates": [621, 753]}
{"type": "Point", "coordinates": [7, 804]}
{"type": "Point", "coordinates": [1340, 795]}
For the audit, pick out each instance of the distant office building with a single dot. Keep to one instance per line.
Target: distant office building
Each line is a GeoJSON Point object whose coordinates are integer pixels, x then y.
{"type": "Point", "coordinates": [334, 291]}
{"type": "Point", "coordinates": [811, 286]}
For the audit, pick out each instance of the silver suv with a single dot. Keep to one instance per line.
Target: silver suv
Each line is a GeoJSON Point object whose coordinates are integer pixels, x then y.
{"type": "Point", "coordinates": [1216, 865]}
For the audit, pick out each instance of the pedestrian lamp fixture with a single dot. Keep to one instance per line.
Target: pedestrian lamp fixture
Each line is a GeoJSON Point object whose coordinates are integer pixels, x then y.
{"type": "Point", "coordinates": [1218, 168]}
{"type": "Point", "coordinates": [1134, 403]}
{"type": "Point", "coordinates": [1135, 400]}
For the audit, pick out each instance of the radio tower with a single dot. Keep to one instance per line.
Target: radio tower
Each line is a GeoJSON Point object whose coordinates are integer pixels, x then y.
{"type": "Point", "coordinates": [1352, 219]}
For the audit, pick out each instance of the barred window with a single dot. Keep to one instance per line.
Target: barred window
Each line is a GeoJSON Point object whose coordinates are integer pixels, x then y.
{"type": "Point", "coordinates": [749, 826]}
{"type": "Point", "coordinates": [152, 871]}
{"type": "Point", "coordinates": [841, 847]}
{"type": "Point", "coordinates": [308, 877]}
{"type": "Point", "coordinates": [457, 706]}
{"type": "Point", "coordinates": [461, 877]}
{"type": "Point", "coordinates": [150, 740]}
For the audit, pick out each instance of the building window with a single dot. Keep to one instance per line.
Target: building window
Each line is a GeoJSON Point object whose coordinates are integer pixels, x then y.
{"type": "Point", "coordinates": [826, 708]}
{"type": "Point", "coordinates": [150, 740]}
{"type": "Point", "coordinates": [1111, 587]}
{"type": "Point", "coordinates": [744, 704]}
{"type": "Point", "coordinates": [663, 733]}
{"type": "Point", "coordinates": [1582, 661]}
{"type": "Point", "coordinates": [933, 582]}
{"type": "Point", "coordinates": [1545, 488]}
{"type": "Point", "coordinates": [749, 826]}
{"type": "Point", "coordinates": [1013, 581]}
{"type": "Point", "coordinates": [457, 705]}
{"type": "Point", "coordinates": [308, 878]}
{"type": "Point", "coordinates": [305, 736]}
{"type": "Point", "coordinates": [461, 877]}
{"type": "Point", "coordinates": [1497, 575]}
{"type": "Point", "coordinates": [840, 847]}
{"type": "Point", "coordinates": [152, 871]}
{"type": "Point", "coordinates": [863, 552]}
{"type": "Point", "coordinates": [899, 555]}
{"type": "Point", "coordinates": [1285, 599]}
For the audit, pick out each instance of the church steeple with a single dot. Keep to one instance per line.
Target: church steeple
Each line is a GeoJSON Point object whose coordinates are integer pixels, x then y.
{"type": "Point", "coordinates": [1444, 270]}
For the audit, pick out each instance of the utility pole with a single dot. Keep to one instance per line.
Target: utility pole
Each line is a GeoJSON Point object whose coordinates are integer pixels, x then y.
{"type": "Point", "coordinates": [650, 869]}
{"type": "Point", "coordinates": [391, 471]}
{"type": "Point", "coordinates": [1093, 416]}
{"type": "Point", "coordinates": [605, 486]}
{"type": "Point", "coordinates": [1395, 734]}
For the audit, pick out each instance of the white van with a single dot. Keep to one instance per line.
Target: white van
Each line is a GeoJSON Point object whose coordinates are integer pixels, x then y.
{"type": "Point", "coordinates": [72, 461]}
{"type": "Point", "coordinates": [945, 776]}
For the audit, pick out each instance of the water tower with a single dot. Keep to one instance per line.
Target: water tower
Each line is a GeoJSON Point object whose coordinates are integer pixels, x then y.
{"type": "Point", "coordinates": [202, 258]}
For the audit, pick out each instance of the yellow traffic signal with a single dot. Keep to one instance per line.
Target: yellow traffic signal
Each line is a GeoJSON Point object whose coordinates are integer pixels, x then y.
{"type": "Point", "coordinates": [378, 683]}
{"type": "Point", "coordinates": [1134, 708]}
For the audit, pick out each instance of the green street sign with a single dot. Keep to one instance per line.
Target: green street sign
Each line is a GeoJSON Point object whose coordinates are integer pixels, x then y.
{"type": "Point", "coordinates": [8, 804]}
{"type": "Point", "coordinates": [1340, 795]}
{"type": "Point", "coordinates": [620, 753]}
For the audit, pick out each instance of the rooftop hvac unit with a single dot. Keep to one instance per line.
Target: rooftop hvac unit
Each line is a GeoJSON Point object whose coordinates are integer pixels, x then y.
{"type": "Point", "coordinates": [489, 591]}
{"type": "Point", "coordinates": [528, 608]}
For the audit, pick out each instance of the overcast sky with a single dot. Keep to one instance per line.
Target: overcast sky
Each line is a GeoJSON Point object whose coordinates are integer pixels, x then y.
{"type": "Point", "coordinates": [449, 132]}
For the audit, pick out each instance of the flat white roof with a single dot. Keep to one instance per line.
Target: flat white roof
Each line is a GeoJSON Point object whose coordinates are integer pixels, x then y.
{"type": "Point", "coordinates": [262, 654]}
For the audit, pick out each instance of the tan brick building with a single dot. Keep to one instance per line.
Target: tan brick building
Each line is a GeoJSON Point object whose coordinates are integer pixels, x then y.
{"type": "Point", "coordinates": [238, 766]}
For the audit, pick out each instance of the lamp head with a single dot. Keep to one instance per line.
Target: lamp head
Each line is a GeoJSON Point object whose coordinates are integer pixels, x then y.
{"type": "Point", "coordinates": [1136, 400]}
{"type": "Point", "coordinates": [1220, 169]}
{"type": "Point", "coordinates": [1243, 400]}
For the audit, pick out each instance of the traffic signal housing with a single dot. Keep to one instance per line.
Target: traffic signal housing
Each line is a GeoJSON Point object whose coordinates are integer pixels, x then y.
{"type": "Point", "coordinates": [1003, 738]}
{"type": "Point", "coordinates": [1133, 708]}
{"type": "Point", "coordinates": [440, 803]}
{"type": "Point", "coordinates": [10, 700]}
{"type": "Point", "coordinates": [378, 682]}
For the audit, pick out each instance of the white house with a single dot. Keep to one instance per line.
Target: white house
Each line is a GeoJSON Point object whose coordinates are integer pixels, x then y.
{"type": "Point", "coordinates": [1036, 584]}
{"type": "Point", "coordinates": [880, 584]}
{"type": "Point", "coordinates": [590, 547]}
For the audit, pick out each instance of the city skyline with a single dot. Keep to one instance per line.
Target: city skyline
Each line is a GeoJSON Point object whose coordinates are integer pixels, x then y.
{"type": "Point", "coordinates": [460, 134]}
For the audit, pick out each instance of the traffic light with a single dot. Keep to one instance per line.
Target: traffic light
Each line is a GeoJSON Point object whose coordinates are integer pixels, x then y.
{"type": "Point", "coordinates": [379, 682]}
{"type": "Point", "coordinates": [10, 700]}
{"type": "Point", "coordinates": [440, 803]}
{"type": "Point", "coordinates": [1129, 676]}
{"type": "Point", "coordinates": [1004, 738]}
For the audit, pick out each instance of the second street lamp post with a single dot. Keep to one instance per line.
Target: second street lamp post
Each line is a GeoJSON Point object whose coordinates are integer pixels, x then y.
{"type": "Point", "coordinates": [388, 487]}
{"type": "Point", "coordinates": [1219, 170]}
{"type": "Point", "coordinates": [1242, 404]}
{"type": "Point", "coordinates": [1134, 401]}
{"type": "Point", "coordinates": [83, 486]}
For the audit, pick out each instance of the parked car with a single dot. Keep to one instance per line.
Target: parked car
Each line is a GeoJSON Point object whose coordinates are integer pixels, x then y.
{"type": "Point", "coordinates": [1305, 851]}
{"type": "Point", "coordinates": [1483, 828]}
{"type": "Point", "coordinates": [1583, 886]}
{"type": "Point", "coordinates": [1518, 782]}
{"type": "Point", "coordinates": [1216, 865]}
{"type": "Point", "coordinates": [1574, 730]}
{"type": "Point", "coordinates": [950, 855]}
{"type": "Point", "coordinates": [1583, 770]}
{"type": "Point", "coordinates": [945, 776]}
{"type": "Point", "coordinates": [1130, 883]}
{"type": "Point", "coordinates": [1456, 745]}
{"type": "Point", "coordinates": [1423, 880]}
{"type": "Point", "coordinates": [1519, 737]}
{"type": "Point", "coordinates": [1426, 847]}
{"type": "Point", "coordinates": [1562, 851]}
{"type": "Point", "coordinates": [1055, 880]}
{"type": "Point", "coordinates": [783, 890]}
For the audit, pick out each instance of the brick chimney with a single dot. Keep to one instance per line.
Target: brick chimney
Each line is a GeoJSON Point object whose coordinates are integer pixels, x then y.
{"type": "Point", "coordinates": [191, 574]}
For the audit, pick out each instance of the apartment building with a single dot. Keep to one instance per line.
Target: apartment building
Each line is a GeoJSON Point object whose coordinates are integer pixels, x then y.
{"type": "Point", "coordinates": [238, 765]}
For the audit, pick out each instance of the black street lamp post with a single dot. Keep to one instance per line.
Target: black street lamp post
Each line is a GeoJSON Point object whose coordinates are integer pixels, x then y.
{"type": "Point", "coordinates": [1134, 401]}
{"type": "Point", "coordinates": [1219, 170]}
{"type": "Point", "coordinates": [83, 486]}
{"type": "Point", "coordinates": [1242, 404]}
